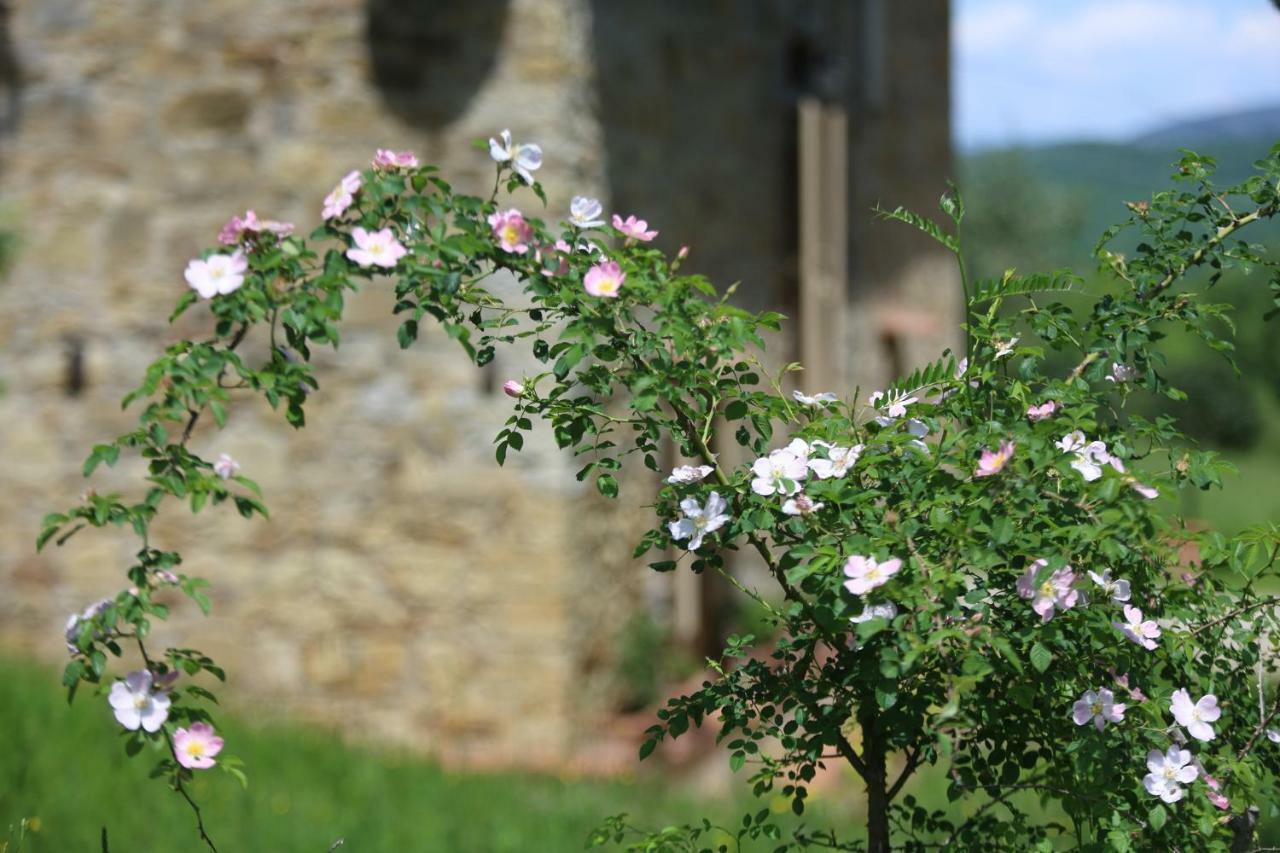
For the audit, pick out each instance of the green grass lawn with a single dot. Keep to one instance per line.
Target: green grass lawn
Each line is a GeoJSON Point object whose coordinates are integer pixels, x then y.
{"type": "Point", "coordinates": [65, 765]}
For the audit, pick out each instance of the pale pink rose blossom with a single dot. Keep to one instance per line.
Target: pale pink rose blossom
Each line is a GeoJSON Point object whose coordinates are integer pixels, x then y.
{"type": "Point", "coordinates": [1098, 707]}
{"type": "Point", "coordinates": [525, 158]}
{"type": "Point", "coordinates": [337, 201]}
{"type": "Point", "coordinates": [237, 226]}
{"type": "Point", "coordinates": [821, 399]}
{"type": "Point", "coordinates": [699, 520]}
{"type": "Point", "coordinates": [216, 275]}
{"type": "Point", "coordinates": [1273, 735]}
{"type": "Point", "coordinates": [865, 574]}
{"type": "Point", "coordinates": [685, 475]}
{"type": "Point", "coordinates": [780, 472]}
{"type": "Point", "coordinates": [1122, 373]}
{"type": "Point", "coordinates": [387, 159]}
{"type": "Point", "coordinates": [87, 615]}
{"type": "Point", "coordinates": [1090, 456]}
{"type": "Point", "coordinates": [1144, 632]}
{"type": "Point", "coordinates": [634, 228]}
{"type": "Point", "coordinates": [1005, 348]}
{"type": "Point", "coordinates": [893, 405]}
{"type": "Point", "coordinates": [801, 504]}
{"type": "Point", "coordinates": [511, 231]}
{"type": "Point", "coordinates": [1169, 772]}
{"type": "Point", "coordinates": [167, 576]}
{"type": "Point", "coordinates": [1044, 411]}
{"type": "Point", "coordinates": [993, 461]}
{"type": "Point", "coordinates": [1195, 717]}
{"type": "Point", "coordinates": [605, 279]}
{"type": "Point", "coordinates": [838, 462]}
{"type": "Point", "coordinates": [512, 388]}
{"type": "Point", "coordinates": [585, 212]}
{"type": "Point", "coordinates": [1148, 492]}
{"type": "Point", "coordinates": [226, 467]}
{"type": "Point", "coordinates": [554, 259]}
{"type": "Point", "coordinates": [1219, 800]}
{"type": "Point", "coordinates": [195, 747]}
{"type": "Point", "coordinates": [376, 248]}
{"type": "Point", "coordinates": [886, 610]}
{"type": "Point", "coordinates": [1118, 589]}
{"type": "Point", "coordinates": [135, 705]}
{"type": "Point", "coordinates": [1055, 592]}
{"type": "Point", "coordinates": [683, 253]}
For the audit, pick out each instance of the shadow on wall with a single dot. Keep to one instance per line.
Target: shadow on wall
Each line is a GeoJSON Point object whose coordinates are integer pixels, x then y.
{"type": "Point", "coordinates": [430, 57]}
{"type": "Point", "coordinates": [10, 76]}
{"type": "Point", "coordinates": [697, 104]}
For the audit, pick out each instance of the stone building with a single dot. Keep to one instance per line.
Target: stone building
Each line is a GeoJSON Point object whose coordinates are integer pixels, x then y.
{"type": "Point", "coordinates": [405, 587]}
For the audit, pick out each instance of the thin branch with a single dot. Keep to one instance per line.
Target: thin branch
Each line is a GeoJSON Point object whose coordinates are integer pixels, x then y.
{"type": "Point", "coordinates": [913, 761]}
{"type": "Point", "coordinates": [204, 836]}
{"type": "Point", "coordinates": [1239, 611]}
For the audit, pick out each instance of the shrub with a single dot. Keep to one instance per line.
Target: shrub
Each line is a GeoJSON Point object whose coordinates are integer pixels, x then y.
{"type": "Point", "coordinates": [965, 570]}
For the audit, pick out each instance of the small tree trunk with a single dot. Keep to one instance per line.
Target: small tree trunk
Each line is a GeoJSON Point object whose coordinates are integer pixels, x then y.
{"type": "Point", "coordinates": [873, 756]}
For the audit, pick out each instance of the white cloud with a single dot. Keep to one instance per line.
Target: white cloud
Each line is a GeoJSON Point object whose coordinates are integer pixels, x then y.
{"type": "Point", "coordinates": [1034, 70]}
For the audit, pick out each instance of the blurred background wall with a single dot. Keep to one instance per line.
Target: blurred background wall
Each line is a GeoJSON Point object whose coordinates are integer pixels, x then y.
{"type": "Point", "coordinates": [406, 588]}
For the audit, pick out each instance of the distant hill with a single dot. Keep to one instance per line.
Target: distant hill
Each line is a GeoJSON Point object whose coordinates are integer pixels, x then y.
{"type": "Point", "coordinates": [1088, 182]}
{"type": "Point", "coordinates": [1256, 125]}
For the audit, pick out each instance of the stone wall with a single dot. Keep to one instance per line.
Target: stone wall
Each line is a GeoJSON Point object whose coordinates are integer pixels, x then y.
{"type": "Point", "coordinates": [405, 587]}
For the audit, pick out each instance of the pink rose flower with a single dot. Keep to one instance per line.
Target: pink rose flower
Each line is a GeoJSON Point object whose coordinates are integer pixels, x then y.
{"type": "Point", "coordinates": [216, 275]}
{"type": "Point", "coordinates": [993, 461]}
{"type": "Point", "coordinates": [238, 226]}
{"type": "Point", "coordinates": [865, 574]}
{"type": "Point", "coordinates": [337, 202]}
{"type": "Point", "coordinates": [511, 231]}
{"type": "Point", "coordinates": [512, 388]}
{"type": "Point", "coordinates": [554, 259]}
{"type": "Point", "coordinates": [1054, 592]}
{"type": "Point", "coordinates": [604, 279]}
{"type": "Point", "coordinates": [1143, 632]}
{"type": "Point", "coordinates": [226, 467]}
{"type": "Point", "coordinates": [195, 747]}
{"type": "Point", "coordinates": [1042, 411]}
{"type": "Point", "coordinates": [387, 159]}
{"type": "Point", "coordinates": [376, 248]}
{"type": "Point", "coordinates": [634, 228]}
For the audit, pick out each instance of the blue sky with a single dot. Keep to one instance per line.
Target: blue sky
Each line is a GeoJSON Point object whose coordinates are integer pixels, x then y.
{"type": "Point", "coordinates": [1030, 71]}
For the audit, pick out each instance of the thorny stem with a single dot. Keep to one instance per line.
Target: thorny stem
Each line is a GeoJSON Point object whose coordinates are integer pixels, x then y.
{"type": "Point", "coordinates": [204, 836]}
{"type": "Point", "coordinates": [178, 786]}
{"type": "Point", "coordinates": [1239, 611]}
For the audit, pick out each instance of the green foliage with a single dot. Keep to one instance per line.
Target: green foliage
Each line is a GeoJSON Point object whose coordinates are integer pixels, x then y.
{"type": "Point", "coordinates": [945, 485]}
{"type": "Point", "coordinates": [308, 790]}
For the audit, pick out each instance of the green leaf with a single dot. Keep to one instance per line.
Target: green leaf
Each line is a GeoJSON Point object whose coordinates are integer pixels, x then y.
{"type": "Point", "coordinates": [607, 485]}
{"type": "Point", "coordinates": [1040, 657]}
{"type": "Point", "coordinates": [736, 760]}
{"type": "Point", "coordinates": [1157, 817]}
{"type": "Point", "coordinates": [1010, 285]}
{"type": "Point", "coordinates": [928, 226]}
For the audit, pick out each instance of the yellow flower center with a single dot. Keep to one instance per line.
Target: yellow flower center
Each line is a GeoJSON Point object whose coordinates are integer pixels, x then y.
{"type": "Point", "coordinates": [1095, 708]}
{"type": "Point", "coordinates": [510, 234]}
{"type": "Point", "coordinates": [1046, 589]}
{"type": "Point", "coordinates": [194, 748]}
{"type": "Point", "coordinates": [140, 701]}
{"type": "Point", "coordinates": [610, 285]}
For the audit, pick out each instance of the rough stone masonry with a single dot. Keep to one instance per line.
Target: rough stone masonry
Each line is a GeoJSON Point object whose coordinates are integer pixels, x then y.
{"type": "Point", "coordinates": [405, 587]}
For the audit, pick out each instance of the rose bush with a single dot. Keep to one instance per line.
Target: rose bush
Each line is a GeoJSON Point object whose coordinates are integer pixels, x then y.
{"type": "Point", "coordinates": [976, 569]}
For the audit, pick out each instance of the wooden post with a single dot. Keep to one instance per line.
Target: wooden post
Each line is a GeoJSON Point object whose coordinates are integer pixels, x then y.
{"type": "Point", "coordinates": [824, 246]}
